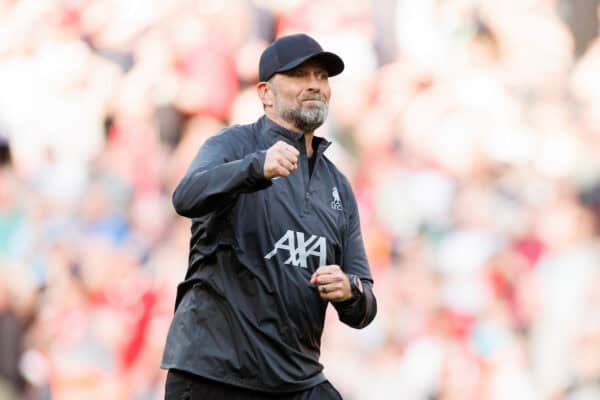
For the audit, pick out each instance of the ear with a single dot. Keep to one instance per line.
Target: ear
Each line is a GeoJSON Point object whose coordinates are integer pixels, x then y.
{"type": "Point", "coordinates": [265, 92]}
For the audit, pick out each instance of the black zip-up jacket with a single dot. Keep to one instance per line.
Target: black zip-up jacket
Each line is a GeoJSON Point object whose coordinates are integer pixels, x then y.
{"type": "Point", "coordinates": [246, 314]}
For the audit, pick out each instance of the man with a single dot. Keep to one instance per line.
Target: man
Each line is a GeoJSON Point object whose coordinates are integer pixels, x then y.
{"type": "Point", "coordinates": [275, 238]}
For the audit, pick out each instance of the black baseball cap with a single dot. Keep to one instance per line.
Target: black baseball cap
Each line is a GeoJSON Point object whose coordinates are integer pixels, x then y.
{"type": "Point", "coordinates": [288, 52]}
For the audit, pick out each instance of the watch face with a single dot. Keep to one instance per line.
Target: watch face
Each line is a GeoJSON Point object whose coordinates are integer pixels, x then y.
{"type": "Point", "coordinates": [359, 284]}
{"type": "Point", "coordinates": [356, 285]}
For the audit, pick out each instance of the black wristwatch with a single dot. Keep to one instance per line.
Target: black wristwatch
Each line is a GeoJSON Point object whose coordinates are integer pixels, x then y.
{"type": "Point", "coordinates": [355, 285]}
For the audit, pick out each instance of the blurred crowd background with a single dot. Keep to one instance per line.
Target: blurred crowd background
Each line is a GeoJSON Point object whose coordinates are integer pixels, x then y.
{"type": "Point", "coordinates": [470, 130]}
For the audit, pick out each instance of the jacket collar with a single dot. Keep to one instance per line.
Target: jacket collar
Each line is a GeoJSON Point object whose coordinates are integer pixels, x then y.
{"type": "Point", "coordinates": [273, 132]}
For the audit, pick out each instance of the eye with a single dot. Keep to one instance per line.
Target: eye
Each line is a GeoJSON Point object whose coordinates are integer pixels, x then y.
{"type": "Point", "coordinates": [296, 73]}
{"type": "Point", "coordinates": [322, 75]}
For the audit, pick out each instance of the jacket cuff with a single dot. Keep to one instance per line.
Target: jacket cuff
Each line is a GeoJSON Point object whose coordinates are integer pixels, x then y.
{"type": "Point", "coordinates": [351, 305]}
{"type": "Point", "coordinates": [256, 177]}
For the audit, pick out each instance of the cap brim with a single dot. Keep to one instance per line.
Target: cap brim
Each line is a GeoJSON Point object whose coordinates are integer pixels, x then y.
{"type": "Point", "coordinates": [333, 63]}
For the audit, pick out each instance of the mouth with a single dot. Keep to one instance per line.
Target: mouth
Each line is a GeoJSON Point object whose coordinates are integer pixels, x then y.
{"type": "Point", "coordinates": [313, 100]}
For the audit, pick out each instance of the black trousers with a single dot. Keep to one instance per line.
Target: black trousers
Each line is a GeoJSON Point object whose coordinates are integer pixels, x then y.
{"type": "Point", "coordinates": [184, 386]}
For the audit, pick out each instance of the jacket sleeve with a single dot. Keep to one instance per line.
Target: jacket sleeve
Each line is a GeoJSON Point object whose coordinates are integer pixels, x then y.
{"type": "Point", "coordinates": [216, 176]}
{"type": "Point", "coordinates": [357, 312]}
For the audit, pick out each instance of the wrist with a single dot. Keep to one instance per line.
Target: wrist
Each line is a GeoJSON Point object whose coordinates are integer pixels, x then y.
{"type": "Point", "coordinates": [356, 287]}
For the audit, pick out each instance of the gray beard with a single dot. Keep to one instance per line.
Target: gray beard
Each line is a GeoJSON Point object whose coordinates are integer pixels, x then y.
{"type": "Point", "coordinates": [307, 120]}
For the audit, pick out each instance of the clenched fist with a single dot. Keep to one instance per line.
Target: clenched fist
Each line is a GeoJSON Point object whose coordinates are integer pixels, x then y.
{"type": "Point", "coordinates": [281, 160]}
{"type": "Point", "coordinates": [333, 283]}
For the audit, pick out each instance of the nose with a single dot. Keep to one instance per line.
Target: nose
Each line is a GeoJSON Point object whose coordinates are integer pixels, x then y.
{"type": "Point", "coordinates": [314, 83]}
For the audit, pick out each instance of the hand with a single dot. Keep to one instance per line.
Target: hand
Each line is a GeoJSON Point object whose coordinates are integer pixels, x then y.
{"type": "Point", "coordinates": [281, 160]}
{"type": "Point", "coordinates": [334, 284]}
